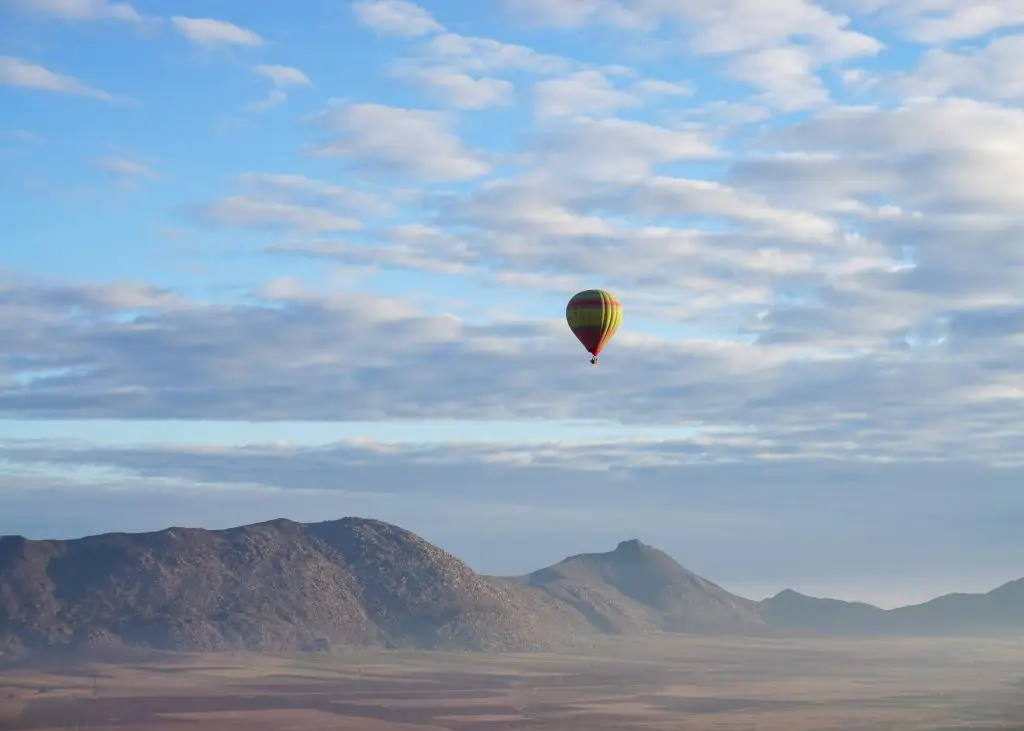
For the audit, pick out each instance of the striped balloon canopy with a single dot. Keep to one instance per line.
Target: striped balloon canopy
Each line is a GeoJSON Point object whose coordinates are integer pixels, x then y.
{"type": "Point", "coordinates": [593, 316]}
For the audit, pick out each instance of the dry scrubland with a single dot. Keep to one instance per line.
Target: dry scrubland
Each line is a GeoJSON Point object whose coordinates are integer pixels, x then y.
{"type": "Point", "coordinates": [664, 683]}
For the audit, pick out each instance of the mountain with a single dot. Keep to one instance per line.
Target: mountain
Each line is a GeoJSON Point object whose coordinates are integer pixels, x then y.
{"type": "Point", "coordinates": [998, 612]}
{"type": "Point", "coordinates": [793, 610]}
{"type": "Point", "coordinates": [637, 588]}
{"type": "Point", "coordinates": [273, 586]}
{"type": "Point", "coordinates": [285, 586]}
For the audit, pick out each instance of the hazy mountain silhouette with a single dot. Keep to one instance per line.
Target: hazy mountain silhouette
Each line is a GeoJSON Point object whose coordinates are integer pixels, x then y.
{"type": "Point", "coordinates": [636, 588]}
{"type": "Point", "coordinates": [996, 612]}
{"type": "Point", "coordinates": [281, 586]}
{"type": "Point", "coordinates": [793, 610]}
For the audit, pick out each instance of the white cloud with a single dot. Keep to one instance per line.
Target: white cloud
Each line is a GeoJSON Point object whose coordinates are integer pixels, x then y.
{"type": "Point", "coordinates": [282, 76]}
{"type": "Point", "coordinates": [394, 140]}
{"type": "Point", "coordinates": [777, 46]}
{"type": "Point", "coordinates": [243, 212]}
{"type": "Point", "coordinates": [731, 26]}
{"type": "Point", "coordinates": [748, 25]}
{"type": "Point", "coordinates": [942, 157]}
{"type": "Point", "coordinates": [575, 13]}
{"type": "Point", "coordinates": [663, 196]}
{"type": "Point", "coordinates": [616, 149]}
{"type": "Point", "coordinates": [994, 71]}
{"type": "Point", "coordinates": [555, 222]}
{"type": "Point", "coordinates": [396, 17]}
{"type": "Point", "coordinates": [274, 98]}
{"type": "Point", "coordinates": [28, 75]}
{"type": "Point", "coordinates": [473, 54]}
{"type": "Point", "coordinates": [293, 205]}
{"type": "Point", "coordinates": [463, 71]}
{"type": "Point", "coordinates": [657, 87]}
{"type": "Point", "coordinates": [210, 32]}
{"type": "Point", "coordinates": [585, 92]}
{"type": "Point", "coordinates": [456, 89]}
{"type": "Point", "coordinates": [82, 9]}
{"type": "Point", "coordinates": [394, 255]}
{"type": "Point", "coordinates": [785, 75]}
{"type": "Point", "coordinates": [126, 167]}
{"type": "Point", "coordinates": [939, 21]}
{"type": "Point", "coordinates": [294, 188]}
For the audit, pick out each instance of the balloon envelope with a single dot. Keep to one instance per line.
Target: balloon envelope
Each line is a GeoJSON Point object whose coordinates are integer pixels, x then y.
{"type": "Point", "coordinates": [593, 316]}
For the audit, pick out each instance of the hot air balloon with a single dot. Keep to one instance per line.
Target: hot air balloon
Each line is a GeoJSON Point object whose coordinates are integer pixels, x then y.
{"type": "Point", "coordinates": [593, 316]}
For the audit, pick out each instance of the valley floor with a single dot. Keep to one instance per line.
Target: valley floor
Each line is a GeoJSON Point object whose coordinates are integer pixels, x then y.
{"type": "Point", "coordinates": [671, 683]}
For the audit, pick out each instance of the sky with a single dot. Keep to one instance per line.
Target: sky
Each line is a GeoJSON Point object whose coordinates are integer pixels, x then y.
{"type": "Point", "coordinates": [311, 260]}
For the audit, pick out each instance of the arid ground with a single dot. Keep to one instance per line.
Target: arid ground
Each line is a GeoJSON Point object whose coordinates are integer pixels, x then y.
{"type": "Point", "coordinates": [672, 683]}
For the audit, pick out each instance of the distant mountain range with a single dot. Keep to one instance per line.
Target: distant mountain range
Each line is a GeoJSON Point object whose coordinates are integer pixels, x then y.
{"type": "Point", "coordinates": [284, 586]}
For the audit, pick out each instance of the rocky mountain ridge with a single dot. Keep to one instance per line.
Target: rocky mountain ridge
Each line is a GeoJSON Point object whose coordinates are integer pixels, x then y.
{"type": "Point", "coordinates": [285, 586]}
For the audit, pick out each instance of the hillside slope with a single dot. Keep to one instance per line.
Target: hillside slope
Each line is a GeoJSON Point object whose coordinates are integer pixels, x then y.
{"type": "Point", "coordinates": [273, 586]}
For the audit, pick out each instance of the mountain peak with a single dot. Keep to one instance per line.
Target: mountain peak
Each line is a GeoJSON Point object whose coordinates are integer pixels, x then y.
{"type": "Point", "coordinates": [790, 594]}
{"type": "Point", "coordinates": [641, 587]}
{"type": "Point", "coordinates": [632, 547]}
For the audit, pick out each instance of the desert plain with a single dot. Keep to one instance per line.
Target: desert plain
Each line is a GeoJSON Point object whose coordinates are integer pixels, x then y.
{"type": "Point", "coordinates": [670, 682]}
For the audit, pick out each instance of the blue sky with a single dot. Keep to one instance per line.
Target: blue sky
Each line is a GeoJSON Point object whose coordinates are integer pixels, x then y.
{"type": "Point", "coordinates": [267, 260]}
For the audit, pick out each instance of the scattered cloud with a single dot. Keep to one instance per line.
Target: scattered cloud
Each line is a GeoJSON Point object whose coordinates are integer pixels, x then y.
{"type": "Point", "coordinates": [477, 55]}
{"type": "Point", "coordinates": [28, 75]}
{"type": "Point", "coordinates": [399, 141]}
{"type": "Point", "coordinates": [992, 72]}
{"type": "Point", "coordinates": [281, 78]}
{"type": "Point", "coordinates": [209, 32]}
{"type": "Point", "coordinates": [733, 26]}
{"type": "Point", "coordinates": [457, 89]}
{"type": "Point", "coordinates": [274, 98]}
{"type": "Point", "coordinates": [941, 21]}
{"type": "Point", "coordinates": [464, 72]}
{"type": "Point", "coordinates": [785, 75]}
{"type": "Point", "coordinates": [126, 168]}
{"type": "Point", "coordinates": [775, 46]}
{"type": "Point", "coordinates": [243, 212]}
{"type": "Point", "coordinates": [585, 92]}
{"type": "Point", "coordinates": [310, 190]}
{"type": "Point", "coordinates": [941, 157]}
{"type": "Point", "coordinates": [603, 150]}
{"type": "Point", "coordinates": [566, 14]}
{"type": "Point", "coordinates": [396, 17]}
{"type": "Point", "coordinates": [657, 87]}
{"type": "Point", "coordinates": [82, 9]}
{"type": "Point", "coordinates": [293, 204]}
